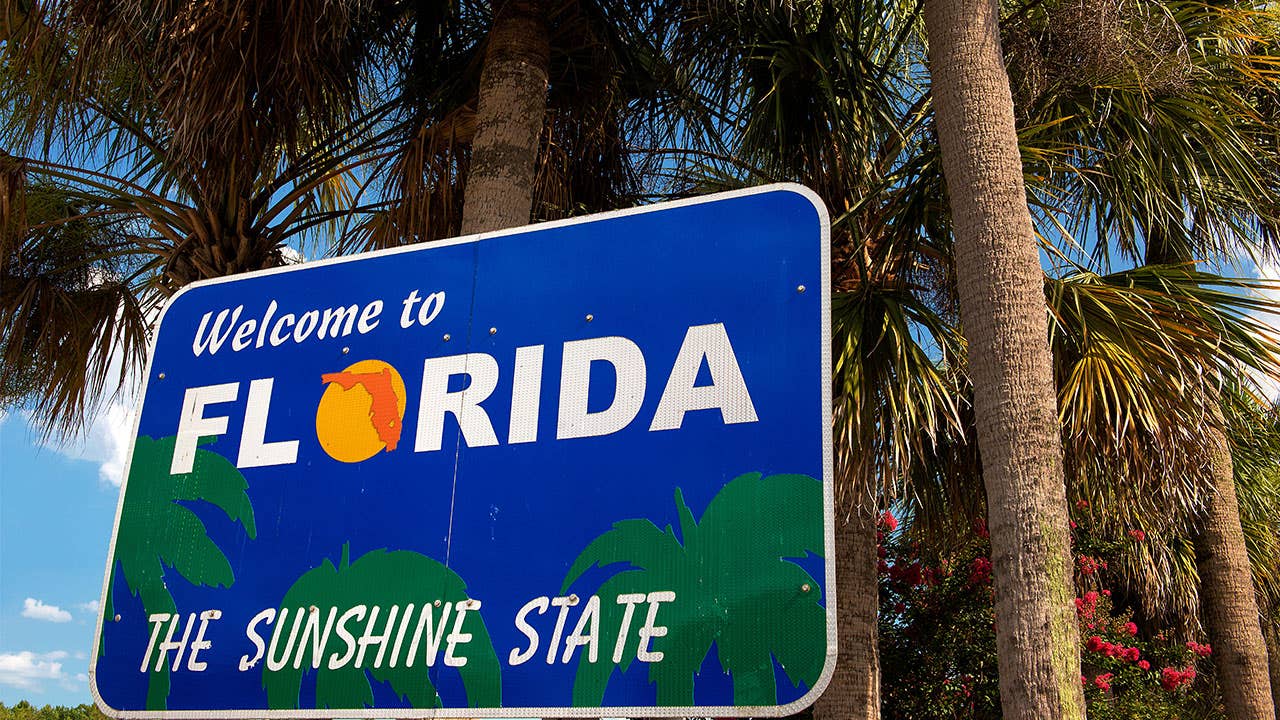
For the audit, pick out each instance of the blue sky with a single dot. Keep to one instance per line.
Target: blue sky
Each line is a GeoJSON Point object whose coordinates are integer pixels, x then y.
{"type": "Point", "coordinates": [57, 506]}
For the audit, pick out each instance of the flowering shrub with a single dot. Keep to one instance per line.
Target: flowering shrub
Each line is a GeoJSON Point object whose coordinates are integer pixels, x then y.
{"type": "Point", "coordinates": [937, 636]}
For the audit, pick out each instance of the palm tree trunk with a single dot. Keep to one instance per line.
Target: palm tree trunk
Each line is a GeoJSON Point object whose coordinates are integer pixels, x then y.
{"type": "Point", "coordinates": [1002, 311]}
{"type": "Point", "coordinates": [1272, 637]}
{"type": "Point", "coordinates": [509, 118]}
{"type": "Point", "coordinates": [1230, 607]}
{"type": "Point", "coordinates": [854, 690]}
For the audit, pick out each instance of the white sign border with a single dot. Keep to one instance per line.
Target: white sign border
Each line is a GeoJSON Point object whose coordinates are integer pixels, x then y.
{"type": "Point", "coordinates": [828, 493]}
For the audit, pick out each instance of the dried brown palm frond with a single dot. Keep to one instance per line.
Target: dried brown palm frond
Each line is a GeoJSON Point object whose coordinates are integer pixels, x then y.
{"type": "Point", "coordinates": [427, 180]}
{"type": "Point", "coordinates": [1063, 45]}
{"type": "Point", "coordinates": [13, 198]}
{"type": "Point", "coordinates": [1157, 128]}
{"type": "Point", "coordinates": [68, 285]}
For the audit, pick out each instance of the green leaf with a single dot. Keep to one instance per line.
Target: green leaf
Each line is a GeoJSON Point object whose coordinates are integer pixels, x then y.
{"type": "Point", "coordinates": [736, 589]}
{"type": "Point", "coordinates": [157, 531]}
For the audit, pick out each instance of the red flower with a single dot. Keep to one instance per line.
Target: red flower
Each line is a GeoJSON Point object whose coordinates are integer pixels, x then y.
{"type": "Point", "coordinates": [1131, 628]}
{"type": "Point", "coordinates": [1088, 565]}
{"type": "Point", "coordinates": [1202, 650]}
{"type": "Point", "coordinates": [1082, 504]}
{"type": "Point", "coordinates": [1171, 679]}
{"type": "Point", "coordinates": [889, 521]}
{"type": "Point", "coordinates": [1138, 535]}
{"type": "Point", "coordinates": [1130, 654]}
{"type": "Point", "coordinates": [1103, 681]}
{"type": "Point", "coordinates": [1143, 664]}
{"type": "Point", "coordinates": [1107, 593]}
{"type": "Point", "coordinates": [980, 571]}
{"type": "Point", "coordinates": [1095, 644]}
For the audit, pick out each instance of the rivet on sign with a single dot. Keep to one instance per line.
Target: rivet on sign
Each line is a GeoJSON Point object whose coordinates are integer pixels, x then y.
{"type": "Point", "coordinates": [161, 376]}
{"type": "Point", "coordinates": [346, 350]}
{"type": "Point", "coordinates": [117, 618]}
{"type": "Point", "coordinates": [799, 288]}
{"type": "Point", "coordinates": [805, 588]}
{"type": "Point", "coordinates": [447, 337]}
{"type": "Point", "coordinates": [573, 599]}
{"type": "Point", "coordinates": [493, 331]}
{"type": "Point", "coordinates": [437, 603]}
{"type": "Point", "coordinates": [590, 317]}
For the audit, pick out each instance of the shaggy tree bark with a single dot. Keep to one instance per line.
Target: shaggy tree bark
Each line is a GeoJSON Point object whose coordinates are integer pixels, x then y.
{"type": "Point", "coordinates": [1271, 634]}
{"type": "Point", "coordinates": [509, 118]}
{"type": "Point", "coordinates": [1230, 607]}
{"type": "Point", "coordinates": [1003, 315]}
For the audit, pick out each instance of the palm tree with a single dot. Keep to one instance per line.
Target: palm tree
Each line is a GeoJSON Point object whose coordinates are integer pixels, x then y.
{"type": "Point", "coordinates": [358, 136]}
{"type": "Point", "coordinates": [157, 532]}
{"type": "Point", "coordinates": [383, 579]}
{"type": "Point", "coordinates": [1125, 160]}
{"type": "Point", "coordinates": [166, 161]}
{"type": "Point", "coordinates": [733, 573]}
{"type": "Point", "coordinates": [1002, 313]}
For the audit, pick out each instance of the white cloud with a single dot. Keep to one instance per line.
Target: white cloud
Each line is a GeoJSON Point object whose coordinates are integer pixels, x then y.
{"type": "Point", "coordinates": [37, 610]}
{"type": "Point", "coordinates": [106, 440]}
{"type": "Point", "coordinates": [1269, 271]}
{"type": "Point", "coordinates": [90, 607]}
{"type": "Point", "coordinates": [27, 670]}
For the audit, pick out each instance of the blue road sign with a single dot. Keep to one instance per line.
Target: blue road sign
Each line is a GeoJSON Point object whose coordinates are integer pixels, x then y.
{"type": "Point", "coordinates": [576, 469]}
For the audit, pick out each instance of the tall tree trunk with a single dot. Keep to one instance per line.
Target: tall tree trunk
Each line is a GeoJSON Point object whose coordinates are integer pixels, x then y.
{"type": "Point", "coordinates": [1271, 634]}
{"type": "Point", "coordinates": [509, 117]}
{"type": "Point", "coordinates": [1003, 314]}
{"type": "Point", "coordinates": [1230, 607]}
{"type": "Point", "coordinates": [854, 690]}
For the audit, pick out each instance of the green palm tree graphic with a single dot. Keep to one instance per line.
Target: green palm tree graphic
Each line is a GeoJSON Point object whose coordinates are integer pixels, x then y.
{"type": "Point", "coordinates": [735, 588]}
{"type": "Point", "coordinates": [380, 578]}
{"type": "Point", "coordinates": [158, 531]}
